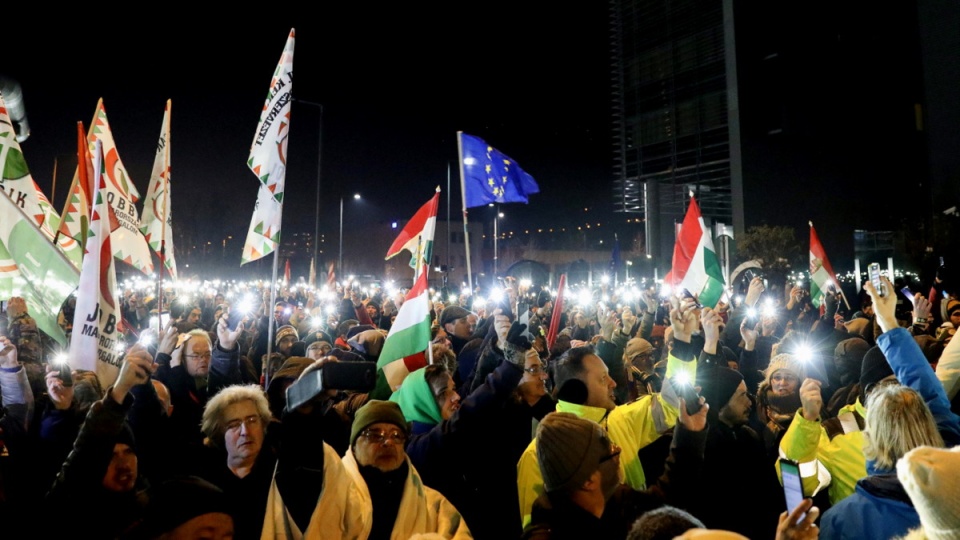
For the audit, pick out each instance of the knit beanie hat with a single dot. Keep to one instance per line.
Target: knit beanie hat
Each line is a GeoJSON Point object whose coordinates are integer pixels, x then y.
{"type": "Point", "coordinates": [930, 477]}
{"type": "Point", "coordinates": [176, 502]}
{"type": "Point", "coordinates": [376, 412]}
{"type": "Point", "coordinates": [636, 346]}
{"type": "Point", "coordinates": [952, 306]}
{"type": "Point", "coordinates": [875, 368]}
{"type": "Point", "coordinates": [848, 359]}
{"type": "Point", "coordinates": [568, 449]}
{"type": "Point", "coordinates": [284, 331]}
{"type": "Point", "coordinates": [717, 386]}
{"type": "Point", "coordinates": [784, 362]}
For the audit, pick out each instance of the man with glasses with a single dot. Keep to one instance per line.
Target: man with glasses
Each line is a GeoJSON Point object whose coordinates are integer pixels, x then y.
{"type": "Point", "coordinates": [583, 494]}
{"type": "Point", "coordinates": [395, 502]}
{"type": "Point", "coordinates": [194, 370]}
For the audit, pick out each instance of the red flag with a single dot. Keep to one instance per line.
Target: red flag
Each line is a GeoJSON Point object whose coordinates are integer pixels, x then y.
{"type": "Point", "coordinates": [286, 272]}
{"type": "Point", "coordinates": [332, 277]}
{"type": "Point", "coordinates": [557, 310]}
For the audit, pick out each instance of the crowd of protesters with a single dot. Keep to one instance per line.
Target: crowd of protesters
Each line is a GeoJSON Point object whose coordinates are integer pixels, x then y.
{"type": "Point", "coordinates": [649, 416]}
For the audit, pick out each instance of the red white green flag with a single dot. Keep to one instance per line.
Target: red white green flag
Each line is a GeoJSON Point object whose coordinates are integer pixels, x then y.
{"type": "Point", "coordinates": [695, 264]}
{"type": "Point", "coordinates": [157, 221]}
{"type": "Point", "coordinates": [821, 273]}
{"type": "Point", "coordinates": [75, 221]}
{"type": "Point", "coordinates": [417, 236]}
{"type": "Point", "coordinates": [268, 160]}
{"type": "Point", "coordinates": [408, 338]}
{"type": "Point", "coordinates": [97, 328]}
{"type": "Point", "coordinates": [128, 243]}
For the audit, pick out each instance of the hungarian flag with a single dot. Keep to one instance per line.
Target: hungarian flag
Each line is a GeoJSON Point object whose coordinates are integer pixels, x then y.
{"type": "Point", "coordinates": [557, 311]}
{"type": "Point", "coordinates": [409, 336]}
{"type": "Point", "coordinates": [268, 160]}
{"type": "Point", "coordinates": [417, 236]}
{"type": "Point", "coordinates": [97, 341]}
{"type": "Point", "coordinates": [156, 224]}
{"type": "Point", "coordinates": [821, 273]}
{"type": "Point", "coordinates": [128, 242]}
{"type": "Point", "coordinates": [695, 264]}
{"type": "Point", "coordinates": [75, 220]}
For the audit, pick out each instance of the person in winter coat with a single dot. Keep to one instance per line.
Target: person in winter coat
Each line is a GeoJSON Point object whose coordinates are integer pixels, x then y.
{"type": "Point", "coordinates": [901, 418]}
{"type": "Point", "coordinates": [394, 502]}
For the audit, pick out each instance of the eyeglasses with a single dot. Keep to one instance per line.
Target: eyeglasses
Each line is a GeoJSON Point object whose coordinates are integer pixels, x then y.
{"type": "Point", "coordinates": [615, 451]}
{"type": "Point", "coordinates": [249, 421]}
{"type": "Point", "coordinates": [378, 437]}
{"type": "Point", "coordinates": [205, 356]}
{"type": "Point", "coordinates": [535, 370]}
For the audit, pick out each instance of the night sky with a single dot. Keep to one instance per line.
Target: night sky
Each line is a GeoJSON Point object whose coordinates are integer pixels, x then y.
{"type": "Point", "coordinates": [397, 83]}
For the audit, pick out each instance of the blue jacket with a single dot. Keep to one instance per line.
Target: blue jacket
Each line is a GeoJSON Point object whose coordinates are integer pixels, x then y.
{"type": "Point", "coordinates": [879, 508]}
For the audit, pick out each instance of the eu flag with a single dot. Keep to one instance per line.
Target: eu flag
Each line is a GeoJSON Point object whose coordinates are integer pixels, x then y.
{"type": "Point", "coordinates": [490, 176]}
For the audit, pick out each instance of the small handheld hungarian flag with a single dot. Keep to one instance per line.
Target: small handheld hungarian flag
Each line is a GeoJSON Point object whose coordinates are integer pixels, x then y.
{"type": "Point", "coordinates": [417, 236]}
{"type": "Point", "coordinates": [695, 264]}
{"type": "Point", "coordinates": [821, 273]}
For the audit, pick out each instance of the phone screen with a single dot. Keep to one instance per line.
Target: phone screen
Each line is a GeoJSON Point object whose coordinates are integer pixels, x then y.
{"type": "Point", "coordinates": [792, 484]}
{"type": "Point", "coordinates": [874, 270]}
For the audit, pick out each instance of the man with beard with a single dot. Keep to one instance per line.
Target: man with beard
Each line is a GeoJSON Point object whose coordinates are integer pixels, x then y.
{"type": "Point", "coordinates": [583, 494]}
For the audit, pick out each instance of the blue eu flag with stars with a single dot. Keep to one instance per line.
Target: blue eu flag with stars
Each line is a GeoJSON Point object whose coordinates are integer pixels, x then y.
{"type": "Point", "coordinates": [490, 176]}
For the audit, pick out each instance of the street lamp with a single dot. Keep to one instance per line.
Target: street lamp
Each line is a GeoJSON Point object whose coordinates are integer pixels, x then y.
{"type": "Point", "coordinates": [316, 237]}
{"type": "Point", "coordinates": [356, 197]}
{"type": "Point", "coordinates": [496, 240]}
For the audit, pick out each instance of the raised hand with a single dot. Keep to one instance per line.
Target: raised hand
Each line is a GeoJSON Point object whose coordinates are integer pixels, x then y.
{"type": "Point", "coordinates": [60, 395]}
{"type": "Point", "coordinates": [167, 341]}
{"type": "Point", "coordinates": [884, 306]}
{"type": "Point", "coordinates": [516, 344]}
{"type": "Point", "coordinates": [8, 353]}
{"type": "Point", "coordinates": [683, 319]}
{"type": "Point", "coordinates": [811, 399]}
{"type": "Point", "coordinates": [791, 527]}
{"type": "Point", "coordinates": [136, 369]}
{"type": "Point", "coordinates": [695, 422]}
{"type": "Point", "coordinates": [228, 338]}
{"type": "Point", "coordinates": [754, 291]}
{"type": "Point", "coordinates": [749, 333]}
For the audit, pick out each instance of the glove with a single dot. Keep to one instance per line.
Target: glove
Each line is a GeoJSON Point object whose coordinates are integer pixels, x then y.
{"type": "Point", "coordinates": [516, 344]}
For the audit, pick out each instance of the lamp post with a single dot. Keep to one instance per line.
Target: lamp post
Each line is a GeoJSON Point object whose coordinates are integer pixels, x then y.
{"type": "Point", "coordinates": [316, 233]}
{"type": "Point", "coordinates": [496, 240]}
{"type": "Point", "coordinates": [356, 196]}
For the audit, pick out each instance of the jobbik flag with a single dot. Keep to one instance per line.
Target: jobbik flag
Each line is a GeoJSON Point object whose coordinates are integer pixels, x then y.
{"type": "Point", "coordinates": [417, 235]}
{"type": "Point", "coordinates": [157, 221]}
{"type": "Point", "coordinates": [17, 182]}
{"type": "Point", "coordinates": [490, 176]}
{"type": "Point", "coordinates": [32, 268]}
{"type": "Point", "coordinates": [121, 194]}
{"type": "Point", "coordinates": [696, 267]}
{"type": "Point", "coordinates": [97, 328]}
{"type": "Point", "coordinates": [409, 336]}
{"type": "Point", "coordinates": [821, 273]}
{"type": "Point", "coordinates": [268, 160]}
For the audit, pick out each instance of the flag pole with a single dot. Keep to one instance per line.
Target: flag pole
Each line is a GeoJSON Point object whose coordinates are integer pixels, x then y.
{"type": "Point", "coordinates": [270, 312]}
{"type": "Point", "coordinates": [446, 276]}
{"type": "Point", "coordinates": [463, 197]}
